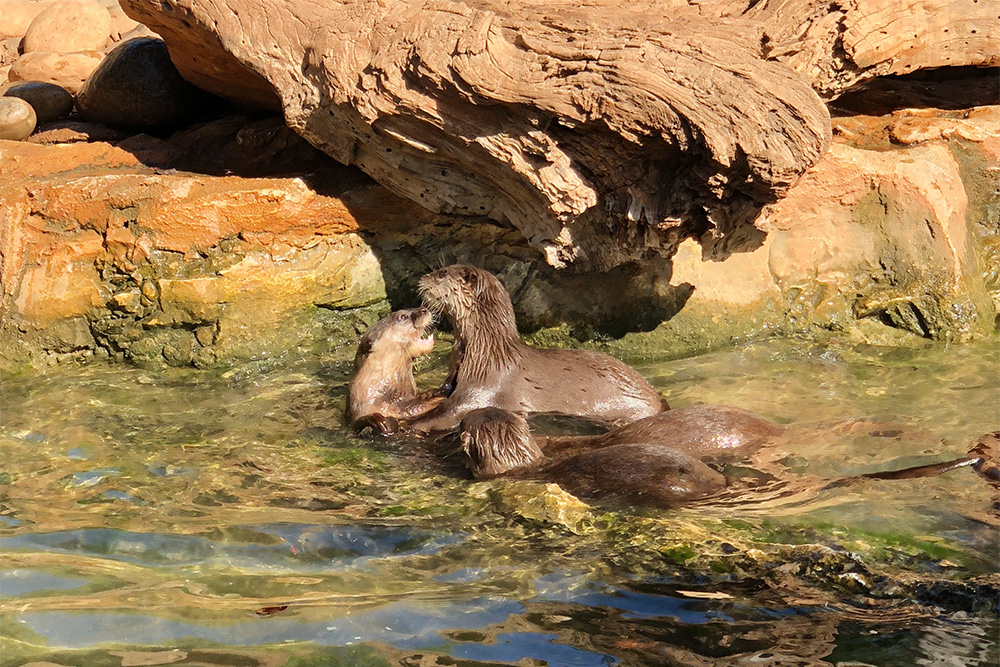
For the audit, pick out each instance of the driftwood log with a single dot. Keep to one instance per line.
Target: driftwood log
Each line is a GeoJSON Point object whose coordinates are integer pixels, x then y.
{"type": "Point", "coordinates": [601, 133]}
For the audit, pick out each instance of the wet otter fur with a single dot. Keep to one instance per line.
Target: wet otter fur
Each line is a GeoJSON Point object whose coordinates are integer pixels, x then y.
{"type": "Point", "coordinates": [982, 457]}
{"type": "Point", "coordinates": [497, 442]}
{"type": "Point", "coordinates": [383, 387]}
{"type": "Point", "coordinates": [698, 430]}
{"type": "Point", "coordinates": [498, 370]}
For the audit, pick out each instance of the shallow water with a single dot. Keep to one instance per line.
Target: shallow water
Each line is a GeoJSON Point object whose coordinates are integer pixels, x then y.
{"type": "Point", "coordinates": [186, 517]}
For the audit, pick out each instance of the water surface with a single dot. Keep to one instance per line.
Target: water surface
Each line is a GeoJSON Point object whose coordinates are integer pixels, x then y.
{"type": "Point", "coordinates": [229, 518]}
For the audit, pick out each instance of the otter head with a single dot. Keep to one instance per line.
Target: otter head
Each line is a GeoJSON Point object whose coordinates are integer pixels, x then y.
{"type": "Point", "coordinates": [496, 441]}
{"type": "Point", "coordinates": [472, 299]}
{"type": "Point", "coordinates": [402, 335]}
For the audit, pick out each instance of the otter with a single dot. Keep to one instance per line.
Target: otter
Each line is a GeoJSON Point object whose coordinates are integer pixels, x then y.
{"type": "Point", "coordinates": [698, 430]}
{"type": "Point", "coordinates": [982, 458]}
{"type": "Point", "coordinates": [498, 370]}
{"type": "Point", "coordinates": [497, 442]}
{"type": "Point", "coordinates": [382, 389]}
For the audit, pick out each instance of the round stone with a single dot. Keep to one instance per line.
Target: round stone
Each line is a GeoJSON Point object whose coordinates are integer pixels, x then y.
{"type": "Point", "coordinates": [47, 99]}
{"type": "Point", "coordinates": [17, 119]}
{"type": "Point", "coordinates": [138, 88]}
{"type": "Point", "coordinates": [67, 70]}
{"type": "Point", "coordinates": [18, 15]}
{"type": "Point", "coordinates": [67, 26]}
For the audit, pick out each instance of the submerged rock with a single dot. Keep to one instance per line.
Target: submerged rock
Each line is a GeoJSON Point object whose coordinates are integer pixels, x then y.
{"type": "Point", "coordinates": [540, 503]}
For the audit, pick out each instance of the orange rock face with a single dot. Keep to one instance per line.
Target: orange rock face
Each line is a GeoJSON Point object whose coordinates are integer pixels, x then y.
{"type": "Point", "coordinates": [108, 249]}
{"type": "Point", "coordinates": [90, 233]}
{"type": "Point", "coordinates": [885, 232]}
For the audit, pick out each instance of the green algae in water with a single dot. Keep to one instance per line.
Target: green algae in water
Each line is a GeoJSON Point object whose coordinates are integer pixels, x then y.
{"type": "Point", "coordinates": [232, 516]}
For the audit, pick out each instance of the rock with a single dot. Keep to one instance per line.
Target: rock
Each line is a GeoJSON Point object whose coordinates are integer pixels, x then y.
{"type": "Point", "coordinates": [66, 70]}
{"type": "Point", "coordinates": [4, 71]}
{"type": "Point", "coordinates": [48, 100]}
{"type": "Point", "coordinates": [17, 119]}
{"type": "Point", "coordinates": [181, 349]}
{"type": "Point", "coordinates": [122, 25]}
{"type": "Point", "coordinates": [71, 131]}
{"type": "Point", "coordinates": [867, 234]}
{"type": "Point", "coordinates": [18, 15]}
{"type": "Point", "coordinates": [142, 256]}
{"type": "Point", "coordinates": [138, 88]}
{"type": "Point", "coordinates": [540, 503]}
{"type": "Point", "coordinates": [603, 133]}
{"type": "Point", "coordinates": [581, 128]}
{"type": "Point", "coordinates": [10, 50]}
{"type": "Point", "coordinates": [839, 46]}
{"type": "Point", "coordinates": [889, 243]}
{"type": "Point", "coordinates": [138, 31]}
{"type": "Point", "coordinates": [68, 26]}
{"type": "Point", "coordinates": [238, 145]}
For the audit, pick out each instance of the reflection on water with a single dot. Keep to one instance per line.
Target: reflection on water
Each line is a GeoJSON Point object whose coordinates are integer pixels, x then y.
{"type": "Point", "coordinates": [183, 517]}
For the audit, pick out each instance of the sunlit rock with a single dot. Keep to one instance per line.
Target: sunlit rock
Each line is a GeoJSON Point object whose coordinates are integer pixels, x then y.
{"type": "Point", "coordinates": [67, 26]}
{"type": "Point", "coordinates": [546, 504]}
{"type": "Point", "coordinates": [49, 101]}
{"type": "Point", "coordinates": [137, 254]}
{"type": "Point", "coordinates": [67, 70]}
{"type": "Point", "coordinates": [17, 119]}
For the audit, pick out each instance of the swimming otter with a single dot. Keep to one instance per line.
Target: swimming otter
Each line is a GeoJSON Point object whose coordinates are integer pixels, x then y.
{"type": "Point", "coordinates": [698, 430]}
{"type": "Point", "coordinates": [497, 442]}
{"type": "Point", "coordinates": [982, 458]}
{"type": "Point", "coordinates": [498, 370]}
{"type": "Point", "coordinates": [383, 389]}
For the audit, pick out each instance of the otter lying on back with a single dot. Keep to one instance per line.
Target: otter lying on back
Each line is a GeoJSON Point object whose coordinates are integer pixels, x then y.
{"type": "Point", "coordinates": [383, 384]}
{"type": "Point", "coordinates": [497, 442]}
{"type": "Point", "coordinates": [498, 370]}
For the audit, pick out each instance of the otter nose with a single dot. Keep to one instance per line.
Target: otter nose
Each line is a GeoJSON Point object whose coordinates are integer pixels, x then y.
{"type": "Point", "coordinates": [422, 311]}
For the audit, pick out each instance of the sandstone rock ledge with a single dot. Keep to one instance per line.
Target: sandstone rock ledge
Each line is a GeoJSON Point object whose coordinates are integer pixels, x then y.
{"type": "Point", "coordinates": [109, 249]}
{"type": "Point", "coordinates": [104, 254]}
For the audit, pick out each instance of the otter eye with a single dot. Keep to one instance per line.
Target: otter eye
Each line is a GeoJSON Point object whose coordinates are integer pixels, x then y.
{"type": "Point", "coordinates": [401, 317]}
